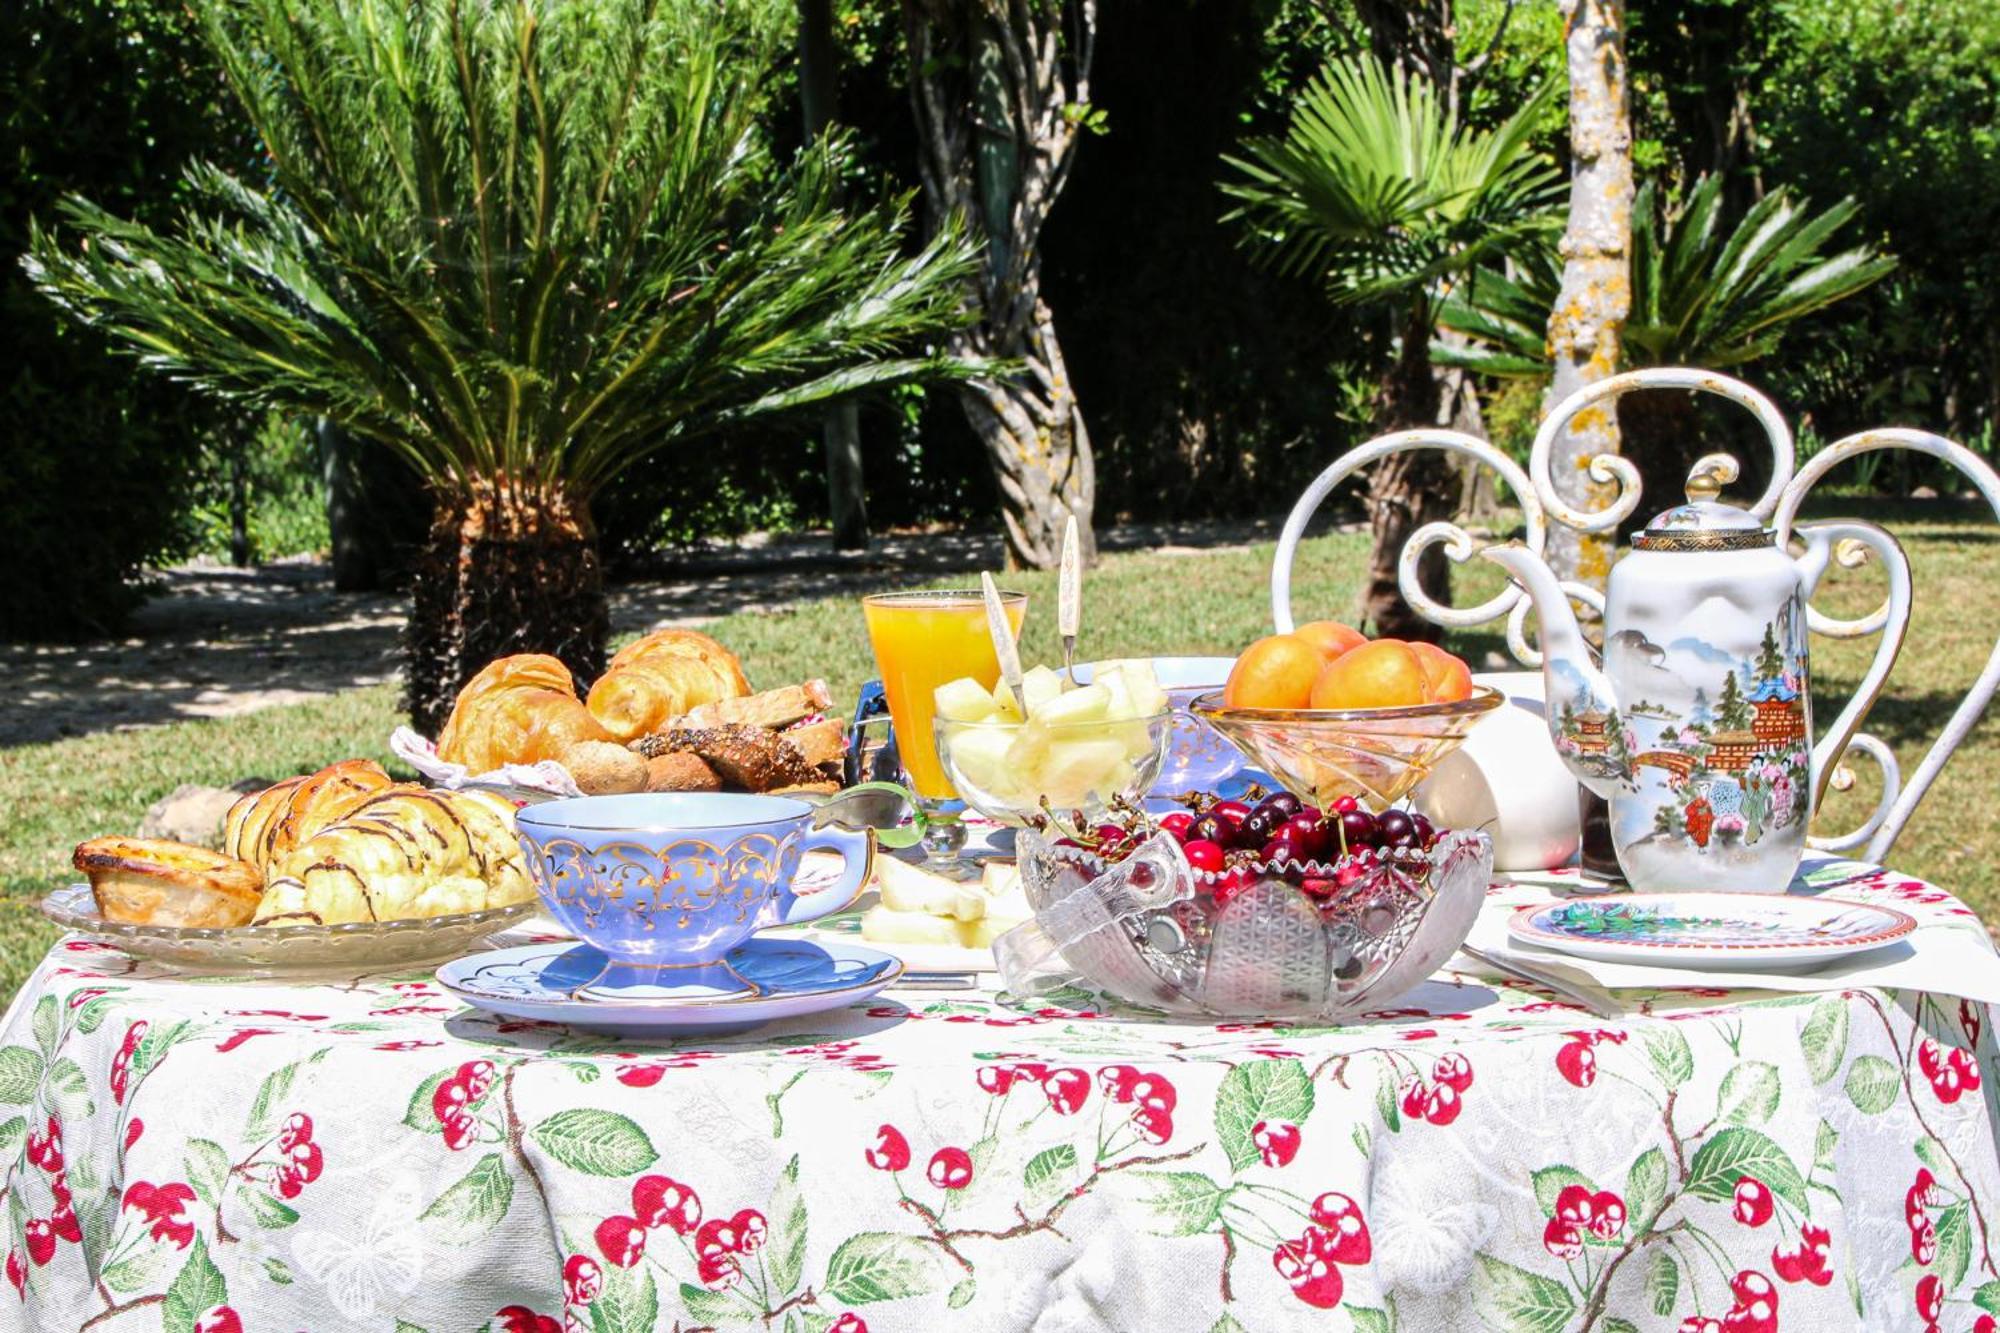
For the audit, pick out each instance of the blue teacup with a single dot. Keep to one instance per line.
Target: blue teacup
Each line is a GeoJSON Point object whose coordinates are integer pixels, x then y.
{"type": "Point", "coordinates": [664, 885]}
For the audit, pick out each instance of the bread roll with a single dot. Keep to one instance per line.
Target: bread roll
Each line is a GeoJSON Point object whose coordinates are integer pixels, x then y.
{"type": "Point", "coordinates": [603, 769]}
{"type": "Point", "coordinates": [661, 677]}
{"type": "Point", "coordinates": [264, 826]}
{"type": "Point", "coordinates": [150, 882]}
{"type": "Point", "coordinates": [681, 771]}
{"type": "Point", "coordinates": [518, 710]}
{"type": "Point", "coordinates": [404, 852]}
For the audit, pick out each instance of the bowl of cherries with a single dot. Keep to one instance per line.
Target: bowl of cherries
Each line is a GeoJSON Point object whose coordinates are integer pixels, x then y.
{"type": "Point", "coordinates": [1266, 907]}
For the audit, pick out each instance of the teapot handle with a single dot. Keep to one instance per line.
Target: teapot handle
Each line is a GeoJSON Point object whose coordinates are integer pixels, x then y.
{"type": "Point", "coordinates": [1849, 543]}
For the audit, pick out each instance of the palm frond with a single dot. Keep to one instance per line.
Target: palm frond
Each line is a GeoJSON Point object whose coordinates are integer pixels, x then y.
{"type": "Point", "coordinates": [538, 238]}
{"type": "Point", "coordinates": [1704, 293]}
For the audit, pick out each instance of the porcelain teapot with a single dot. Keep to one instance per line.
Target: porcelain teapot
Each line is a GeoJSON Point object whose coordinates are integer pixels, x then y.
{"type": "Point", "coordinates": [1697, 727]}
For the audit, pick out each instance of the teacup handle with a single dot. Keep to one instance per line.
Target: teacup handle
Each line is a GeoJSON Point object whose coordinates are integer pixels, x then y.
{"type": "Point", "coordinates": [857, 852]}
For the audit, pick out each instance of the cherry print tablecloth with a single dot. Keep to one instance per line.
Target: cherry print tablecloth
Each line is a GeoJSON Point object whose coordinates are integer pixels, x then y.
{"type": "Point", "coordinates": [218, 1154]}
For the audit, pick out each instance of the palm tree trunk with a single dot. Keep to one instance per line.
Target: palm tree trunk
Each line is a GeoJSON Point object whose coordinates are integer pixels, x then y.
{"type": "Point", "coordinates": [1407, 491]}
{"type": "Point", "coordinates": [505, 570]}
{"type": "Point", "coordinates": [1034, 433]}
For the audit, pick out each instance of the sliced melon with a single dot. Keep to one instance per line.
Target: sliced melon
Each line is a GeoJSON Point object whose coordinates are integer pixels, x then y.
{"type": "Point", "coordinates": [908, 888]}
{"type": "Point", "coordinates": [888, 926]}
{"type": "Point", "coordinates": [1039, 688]}
{"type": "Point", "coordinates": [964, 700]}
{"type": "Point", "coordinates": [983, 756]}
{"type": "Point", "coordinates": [1086, 703]}
{"type": "Point", "coordinates": [1009, 708]}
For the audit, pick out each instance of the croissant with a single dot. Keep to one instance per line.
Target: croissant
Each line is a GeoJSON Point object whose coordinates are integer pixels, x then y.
{"type": "Point", "coordinates": [518, 710]}
{"type": "Point", "coordinates": [262, 827]}
{"type": "Point", "coordinates": [404, 852]}
{"type": "Point", "coordinates": [663, 676]}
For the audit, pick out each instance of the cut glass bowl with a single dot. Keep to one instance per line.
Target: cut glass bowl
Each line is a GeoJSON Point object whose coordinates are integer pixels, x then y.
{"type": "Point", "coordinates": [1376, 755]}
{"type": "Point", "coordinates": [1076, 768]}
{"type": "Point", "coordinates": [1145, 931]}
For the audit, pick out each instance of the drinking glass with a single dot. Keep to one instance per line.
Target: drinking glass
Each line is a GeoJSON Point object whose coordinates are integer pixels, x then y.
{"type": "Point", "coordinates": [923, 640]}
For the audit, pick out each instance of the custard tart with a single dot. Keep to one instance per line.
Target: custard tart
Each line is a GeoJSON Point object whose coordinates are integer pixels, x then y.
{"type": "Point", "coordinates": [148, 881]}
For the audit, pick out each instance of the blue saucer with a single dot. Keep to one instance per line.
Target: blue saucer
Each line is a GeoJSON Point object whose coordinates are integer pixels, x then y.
{"type": "Point", "coordinates": [760, 981]}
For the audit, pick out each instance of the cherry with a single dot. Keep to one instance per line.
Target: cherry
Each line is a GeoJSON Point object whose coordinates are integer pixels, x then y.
{"type": "Point", "coordinates": [1204, 854]}
{"type": "Point", "coordinates": [661, 1201]}
{"type": "Point", "coordinates": [1923, 1241]}
{"type": "Point", "coordinates": [1753, 1202]}
{"type": "Point", "coordinates": [1395, 828]}
{"type": "Point", "coordinates": [1608, 1215]}
{"type": "Point", "coordinates": [1359, 829]}
{"type": "Point", "coordinates": [1985, 1324]}
{"type": "Point", "coordinates": [62, 1221]}
{"type": "Point", "coordinates": [298, 1128]}
{"type": "Point", "coordinates": [1930, 1297]}
{"type": "Point", "coordinates": [1453, 1070]}
{"type": "Point", "coordinates": [1232, 885]}
{"type": "Point", "coordinates": [1280, 852]}
{"type": "Point", "coordinates": [583, 1280]}
{"type": "Point", "coordinates": [1153, 1092]}
{"type": "Point", "coordinates": [1154, 1126]}
{"type": "Point", "coordinates": [1309, 1270]}
{"type": "Point", "coordinates": [1427, 835]}
{"type": "Point", "coordinates": [477, 1076]}
{"type": "Point", "coordinates": [1694, 1323]}
{"type": "Point", "coordinates": [1562, 1239]}
{"type": "Point", "coordinates": [1577, 1063]}
{"type": "Point", "coordinates": [1807, 1261]}
{"type": "Point", "coordinates": [1322, 889]}
{"type": "Point", "coordinates": [1277, 1142]}
{"type": "Point", "coordinates": [1261, 824]}
{"type": "Point", "coordinates": [995, 1079]}
{"type": "Point", "coordinates": [1965, 1065]}
{"type": "Point", "coordinates": [461, 1129]}
{"type": "Point", "coordinates": [1067, 1090]}
{"type": "Point", "coordinates": [1347, 1229]}
{"type": "Point", "coordinates": [1415, 1094]}
{"type": "Point", "coordinates": [891, 1151]}
{"type": "Point", "coordinates": [1930, 1057]}
{"type": "Point", "coordinates": [1756, 1309]}
{"type": "Point", "coordinates": [1115, 1082]}
{"type": "Point", "coordinates": [950, 1169]}
{"type": "Point", "coordinates": [1442, 1106]}
{"type": "Point", "coordinates": [750, 1231]}
{"type": "Point", "coordinates": [1576, 1206]}
{"type": "Point", "coordinates": [1343, 805]}
{"type": "Point", "coordinates": [1233, 811]}
{"type": "Point", "coordinates": [219, 1319]}
{"type": "Point", "coordinates": [1284, 803]}
{"type": "Point", "coordinates": [849, 1322]}
{"type": "Point", "coordinates": [622, 1240]}
{"type": "Point", "coordinates": [1177, 823]}
{"type": "Point", "coordinates": [1309, 833]}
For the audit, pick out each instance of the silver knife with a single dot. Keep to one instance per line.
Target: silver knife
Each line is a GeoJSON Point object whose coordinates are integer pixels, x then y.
{"type": "Point", "coordinates": [1004, 646]}
{"type": "Point", "coordinates": [1069, 597]}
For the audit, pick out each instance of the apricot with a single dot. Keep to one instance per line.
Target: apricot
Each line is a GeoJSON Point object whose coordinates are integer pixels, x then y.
{"type": "Point", "coordinates": [1383, 674]}
{"type": "Point", "coordinates": [1331, 637]}
{"type": "Point", "coordinates": [1274, 672]}
{"type": "Point", "coordinates": [1447, 679]}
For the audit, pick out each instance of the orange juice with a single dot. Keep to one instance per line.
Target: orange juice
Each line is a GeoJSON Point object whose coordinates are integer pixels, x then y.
{"type": "Point", "coordinates": [921, 641]}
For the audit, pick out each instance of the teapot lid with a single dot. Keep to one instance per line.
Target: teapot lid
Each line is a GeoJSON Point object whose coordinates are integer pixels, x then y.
{"type": "Point", "coordinates": [1704, 522]}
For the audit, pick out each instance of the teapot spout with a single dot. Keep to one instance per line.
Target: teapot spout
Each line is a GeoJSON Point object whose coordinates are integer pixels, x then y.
{"type": "Point", "coordinates": [1583, 714]}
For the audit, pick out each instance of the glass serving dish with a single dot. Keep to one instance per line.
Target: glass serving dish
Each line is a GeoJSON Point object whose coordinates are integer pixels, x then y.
{"type": "Point", "coordinates": [1149, 929]}
{"type": "Point", "coordinates": [1006, 770]}
{"type": "Point", "coordinates": [359, 946]}
{"type": "Point", "coordinates": [1376, 755]}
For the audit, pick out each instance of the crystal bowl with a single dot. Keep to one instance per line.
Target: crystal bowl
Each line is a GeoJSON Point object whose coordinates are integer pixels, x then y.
{"type": "Point", "coordinates": [1197, 758]}
{"type": "Point", "coordinates": [1007, 771]}
{"type": "Point", "coordinates": [1149, 930]}
{"type": "Point", "coordinates": [1376, 755]}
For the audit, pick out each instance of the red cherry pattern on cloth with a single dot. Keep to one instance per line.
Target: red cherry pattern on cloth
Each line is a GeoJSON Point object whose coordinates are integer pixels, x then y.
{"type": "Point", "coordinates": [1340, 1217]}
{"type": "Point", "coordinates": [583, 1280]}
{"type": "Point", "coordinates": [121, 1064]}
{"type": "Point", "coordinates": [1952, 1071]}
{"type": "Point", "coordinates": [1151, 1097]}
{"type": "Point", "coordinates": [1067, 1090]}
{"type": "Point", "coordinates": [1562, 1239]}
{"type": "Point", "coordinates": [1806, 1261]}
{"type": "Point", "coordinates": [1453, 1071]}
{"type": "Point", "coordinates": [1756, 1308]}
{"type": "Point", "coordinates": [300, 1160]}
{"type": "Point", "coordinates": [849, 1322]}
{"type": "Point", "coordinates": [520, 1319]}
{"type": "Point", "coordinates": [161, 1206]}
{"type": "Point", "coordinates": [1753, 1204]}
{"type": "Point", "coordinates": [1577, 1063]}
{"type": "Point", "coordinates": [621, 1240]}
{"type": "Point", "coordinates": [950, 1169]}
{"type": "Point", "coordinates": [1602, 1213]}
{"type": "Point", "coordinates": [1694, 1323]}
{"type": "Point", "coordinates": [661, 1201]}
{"type": "Point", "coordinates": [1277, 1142]}
{"type": "Point", "coordinates": [891, 1151]}
{"type": "Point", "coordinates": [1307, 1266]}
{"type": "Point", "coordinates": [17, 1274]}
{"type": "Point", "coordinates": [456, 1098]}
{"type": "Point", "coordinates": [223, 1319]}
{"type": "Point", "coordinates": [1930, 1297]}
{"type": "Point", "coordinates": [718, 1242]}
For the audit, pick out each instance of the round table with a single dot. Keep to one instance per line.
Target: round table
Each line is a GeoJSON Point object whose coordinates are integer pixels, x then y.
{"type": "Point", "coordinates": [222, 1153]}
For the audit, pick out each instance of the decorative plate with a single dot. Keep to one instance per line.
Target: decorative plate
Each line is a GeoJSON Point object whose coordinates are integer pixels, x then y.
{"type": "Point", "coordinates": [781, 978]}
{"type": "Point", "coordinates": [1719, 930]}
{"type": "Point", "coordinates": [360, 946]}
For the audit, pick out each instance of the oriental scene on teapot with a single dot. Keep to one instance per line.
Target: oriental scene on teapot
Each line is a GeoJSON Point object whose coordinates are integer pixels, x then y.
{"type": "Point", "coordinates": [1714, 751]}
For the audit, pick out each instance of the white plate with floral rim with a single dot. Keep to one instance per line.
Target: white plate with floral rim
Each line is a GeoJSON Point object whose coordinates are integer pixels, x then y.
{"type": "Point", "coordinates": [360, 945]}
{"type": "Point", "coordinates": [1716, 930]}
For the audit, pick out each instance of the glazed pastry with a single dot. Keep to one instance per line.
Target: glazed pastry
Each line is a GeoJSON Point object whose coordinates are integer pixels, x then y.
{"type": "Point", "coordinates": [150, 882]}
{"type": "Point", "coordinates": [518, 710]}
{"type": "Point", "coordinates": [404, 852]}
{"type": "Point", "coordinates": [661, 677]}
{"type": "Point", "coordinates": [262, 827]}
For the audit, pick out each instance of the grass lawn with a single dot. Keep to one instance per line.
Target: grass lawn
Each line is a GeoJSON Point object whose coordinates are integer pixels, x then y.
{"type": "Point", "coordinates": [52, 796]}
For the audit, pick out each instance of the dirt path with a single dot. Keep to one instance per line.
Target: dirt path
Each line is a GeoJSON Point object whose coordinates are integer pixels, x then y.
{"type": "Point", "coordinates": [217, 641]}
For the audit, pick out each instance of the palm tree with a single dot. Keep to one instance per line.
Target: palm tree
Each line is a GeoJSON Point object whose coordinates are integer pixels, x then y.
{"type": "Point", "coordinates": [1377, 190]}
{"type": "Point", "coordinates": [1704, 293]}
{"type": "Point", "coordinates": [527, 245]}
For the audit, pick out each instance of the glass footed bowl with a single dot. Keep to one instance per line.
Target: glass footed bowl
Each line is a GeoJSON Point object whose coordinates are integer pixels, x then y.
{"type": "Point", "coordinates": [1376, 755]}
{"type": "Point", "coordinates": [1007, 770]}
{"type": "Point", "coordinates": [1148, 930]}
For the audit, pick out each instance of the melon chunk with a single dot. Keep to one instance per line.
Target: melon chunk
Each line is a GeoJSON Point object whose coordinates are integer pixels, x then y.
{"type": "Point", "coordinates": [964, 700]}
{"type": "Point", "coordinates": [1040, 687]}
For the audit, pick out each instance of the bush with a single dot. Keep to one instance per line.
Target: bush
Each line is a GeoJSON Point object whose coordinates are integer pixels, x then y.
{"type": "Point", "coordinates": [101, 460]}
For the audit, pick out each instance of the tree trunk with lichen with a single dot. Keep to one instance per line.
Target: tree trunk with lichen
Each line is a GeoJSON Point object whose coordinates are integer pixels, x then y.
{"type": "Point", "coordinates": [1596, 296]}
{"type": "Point", "coordinates": [1001, 90]}
{"type": "Point", "coordinates": [506, 569]}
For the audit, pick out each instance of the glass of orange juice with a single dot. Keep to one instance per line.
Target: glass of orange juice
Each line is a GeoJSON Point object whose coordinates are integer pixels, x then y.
{"type": "Point", "coordinates": [923, 640]}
